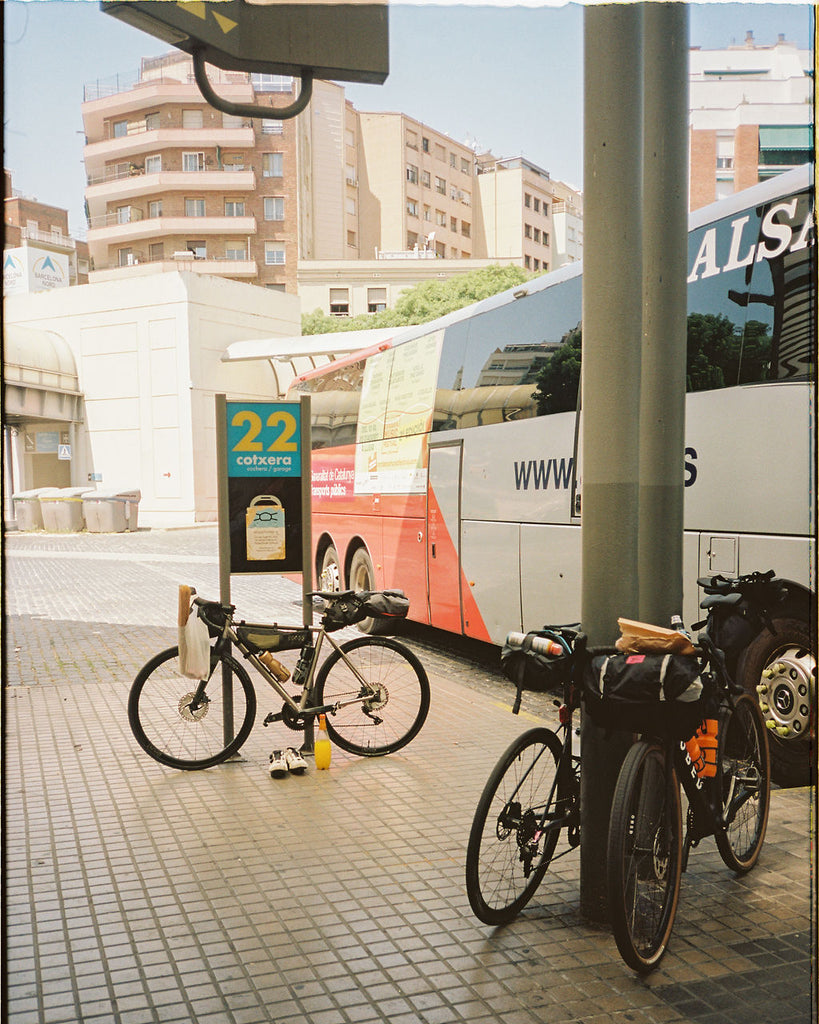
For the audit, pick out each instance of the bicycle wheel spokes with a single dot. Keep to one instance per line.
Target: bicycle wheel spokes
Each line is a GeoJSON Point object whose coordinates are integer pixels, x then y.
{"type": "Point", "coordinates": [644, 857]}
{"type": "Point", "coordinates": [385, 712]}
{"type": "Point", "coordinates": [515, 828]}
{"type": "Point", "coordinates": [175, 729]}
{"type": "Point", "coordinates": [743, 775]}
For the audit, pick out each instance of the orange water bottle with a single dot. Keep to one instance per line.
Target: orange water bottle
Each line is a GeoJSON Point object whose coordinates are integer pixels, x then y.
{"type": "Point", "coordinates": [695, 753]}
{"type": "Point", "coordinates": [707, 739]}
{"type": "Point", "coordinates": [322, 749]}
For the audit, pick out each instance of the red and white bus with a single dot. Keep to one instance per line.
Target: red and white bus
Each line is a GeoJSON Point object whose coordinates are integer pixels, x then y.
{"type": "Point", "coordinates": [445, 459]}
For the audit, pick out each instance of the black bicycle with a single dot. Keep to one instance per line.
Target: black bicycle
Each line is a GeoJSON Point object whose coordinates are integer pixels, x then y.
{"type": "Point", "coordinates": [532, 794]}
{"type": "Point", "coordinates": [373, 691]}
{"type": "Point", "coordinates": [729, 798]}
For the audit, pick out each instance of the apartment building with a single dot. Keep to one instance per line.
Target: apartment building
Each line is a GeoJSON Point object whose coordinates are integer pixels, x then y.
{"type": "Point", "coordinates": [751, 115]}
{"type": "Point", "coordinates": [38, 252]}
{"type": "Point", "coordinates": [172, 181]}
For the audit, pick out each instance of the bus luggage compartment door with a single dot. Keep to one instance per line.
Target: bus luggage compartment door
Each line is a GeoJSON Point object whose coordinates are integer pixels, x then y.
{"type": "Point", "coordinates": [443, 537]}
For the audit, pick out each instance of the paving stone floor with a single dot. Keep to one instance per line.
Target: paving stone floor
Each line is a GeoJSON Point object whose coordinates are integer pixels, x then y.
{"type": "Point", "coordinates": [136, 894]}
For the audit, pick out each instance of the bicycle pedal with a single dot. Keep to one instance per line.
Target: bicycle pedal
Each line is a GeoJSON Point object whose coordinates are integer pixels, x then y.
{"type": "Point", "coordinates": [274, 716]}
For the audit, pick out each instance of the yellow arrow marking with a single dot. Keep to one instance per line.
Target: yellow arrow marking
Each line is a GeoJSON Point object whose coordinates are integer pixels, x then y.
{"type": "Point", "coordinates": [198, 8]}
{"type": "Point", "coordinates": [226, 24]}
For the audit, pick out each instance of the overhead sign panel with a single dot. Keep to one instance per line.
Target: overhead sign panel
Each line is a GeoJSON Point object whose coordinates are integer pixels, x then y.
{"type": "Point", "coordinates": [344, 42]}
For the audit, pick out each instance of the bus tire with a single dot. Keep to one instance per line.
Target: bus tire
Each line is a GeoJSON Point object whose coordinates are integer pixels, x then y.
{"type": "Point", "coordinates": [790, 696]}
{"type": "Point", "coordinates": [362, 577]}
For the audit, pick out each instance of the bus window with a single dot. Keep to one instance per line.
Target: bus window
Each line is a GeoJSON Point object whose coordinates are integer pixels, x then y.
{"type": "Point", "coordinates": [334, 401]}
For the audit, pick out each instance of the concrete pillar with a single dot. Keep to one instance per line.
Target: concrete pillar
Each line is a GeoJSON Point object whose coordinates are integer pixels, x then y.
{"type": "Point", "coordinates": [665, 244]}
{"type": "Point", "coordinates": [612, 329]}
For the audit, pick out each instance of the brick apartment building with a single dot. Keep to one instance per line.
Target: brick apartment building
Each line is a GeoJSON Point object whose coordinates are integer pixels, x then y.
{"type": "Point", "coordinates": [751, 115]}
{"type": "Point", "coordinates": [174, 183]}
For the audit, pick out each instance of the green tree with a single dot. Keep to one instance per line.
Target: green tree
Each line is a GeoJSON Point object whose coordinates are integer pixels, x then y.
{"type": "Point", "coordinates": [424, 302]}
{"type": "Point", "coordinates": [559, 379]}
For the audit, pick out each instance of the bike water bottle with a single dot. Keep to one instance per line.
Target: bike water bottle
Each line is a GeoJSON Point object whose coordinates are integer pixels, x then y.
{"type": "Point", "coordinates": [274, 666]}
{"type": "Point", "coordinates": [707, 738]}
{"type": "Point", "coordinates": [692, 746]}
{"type": "Point", "coordinates": [678, 626]}
{"type": "Point", "coordinates": [322, 749]}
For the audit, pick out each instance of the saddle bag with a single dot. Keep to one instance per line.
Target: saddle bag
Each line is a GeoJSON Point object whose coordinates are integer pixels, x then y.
{"type": "Point", "coordinates": [656, 694]}
{"type": "Point", "coordinates": [381, 604]}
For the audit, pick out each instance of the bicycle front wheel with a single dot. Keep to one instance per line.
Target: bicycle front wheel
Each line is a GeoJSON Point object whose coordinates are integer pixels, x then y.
{"type": "Point", "coordinates": [180, 730]}
{"type": "Point", "coordinates": [509, 848]}
{"type": "Point", "coordinates": [381, 705]}
{"type": "Point", "coordinates": [644, 856]}
{"type": "Point", "coordinates": [743, 773]}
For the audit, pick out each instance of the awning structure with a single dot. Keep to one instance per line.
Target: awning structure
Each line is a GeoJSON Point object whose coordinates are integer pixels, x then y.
{"type": "Point", "coordinates": [39, 376]}
{"type": "Point", "coordinates": [290, 356]}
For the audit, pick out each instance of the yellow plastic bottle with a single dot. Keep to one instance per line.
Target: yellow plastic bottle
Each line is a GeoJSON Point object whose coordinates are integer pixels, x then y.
{"type": "Point", "coordinates": [322, 748]}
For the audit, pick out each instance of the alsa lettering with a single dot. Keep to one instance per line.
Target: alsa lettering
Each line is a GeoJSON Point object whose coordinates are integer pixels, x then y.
{"type": "Point", "coordinates": [777, 235]}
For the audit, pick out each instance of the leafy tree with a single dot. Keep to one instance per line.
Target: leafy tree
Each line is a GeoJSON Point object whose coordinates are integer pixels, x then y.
{"type": "Point", "coordinates": [424, 302]}
{"type": "Point", "coordinates": [559, 379]}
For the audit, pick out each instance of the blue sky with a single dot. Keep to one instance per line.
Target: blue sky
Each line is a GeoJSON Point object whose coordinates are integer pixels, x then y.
{"type": "Point", "coordinates": [508, 77]}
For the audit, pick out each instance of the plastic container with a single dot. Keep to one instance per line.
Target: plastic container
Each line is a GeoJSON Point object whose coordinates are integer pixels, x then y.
{"type": "Point", "coordinates": [28, 512]}
{"type": "Point", "coordinates": [322, 749]}
{"type": "Point", "coordinates": [111, 511]}
{"type": "Point", "coordinates": [48, 499]}
{"type": "Point", "coordinates": [707, 739]}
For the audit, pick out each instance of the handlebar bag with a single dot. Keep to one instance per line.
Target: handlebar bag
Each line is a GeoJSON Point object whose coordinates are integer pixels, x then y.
{"type": "Point", "coordinates": [655, 694]}
{"type": "Point", "coordinates": [530, 670]}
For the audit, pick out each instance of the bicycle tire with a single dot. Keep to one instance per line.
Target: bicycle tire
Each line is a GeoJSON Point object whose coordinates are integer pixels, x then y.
{"type": "Point", "coordinates": [644, 856]}
{"type": "Point", "coordinates": [395, 712]}
{"type": "Point", "coordinates": [503, 870]}
{"type": "Point", "coordinates": [163, 725]}
{"type": "Point", "coordinates": [744, 775]}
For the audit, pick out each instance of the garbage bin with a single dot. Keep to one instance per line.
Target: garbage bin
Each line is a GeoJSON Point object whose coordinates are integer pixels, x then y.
{"type": "Point", "coordinates": [113, 511]}
{"type": "Point", "coordinates": [48, 507]}
{"type": "Point", "coordinates": [67, 504]}
{"type": "Point", "coordinates": [27, 511]}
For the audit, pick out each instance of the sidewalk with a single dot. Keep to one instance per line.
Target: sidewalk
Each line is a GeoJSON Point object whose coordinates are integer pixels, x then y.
{"type": "Point", "coordinates": [138, 894]}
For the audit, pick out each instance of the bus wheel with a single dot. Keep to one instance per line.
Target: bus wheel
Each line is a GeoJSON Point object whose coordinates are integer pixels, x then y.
{"type": "Point", "coordinates": [330, 574]}
{"type": "Point", "coordinates": [362, 577]}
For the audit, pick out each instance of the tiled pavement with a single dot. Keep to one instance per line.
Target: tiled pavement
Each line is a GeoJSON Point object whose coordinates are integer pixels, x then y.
{"type": "Point", "coordinates": [138, 894]}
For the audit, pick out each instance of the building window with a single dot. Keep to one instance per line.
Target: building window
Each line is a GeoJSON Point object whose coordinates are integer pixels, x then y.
{"type": "Point", "coordinates": [427, 213]}
{"type": "Point", "coordinates": [350, 174]}
{"type": "Point", "coordinates": [274, 208]}
{"type": "Point", "coordinates": [153, 164]}
{"type": "Point", "coordinates": [124, 215]}
{"type": "Point", "coordinates": [466, 229]}
{"type": "Point", "coordinates": [440, 152]}
{"type": "Point", "coordinates": [545, 238]}
{"type": "Point", "coordinates": [440, 218]}
{"type": "Point", "coordinates": [192, 118]}
{"type": "Point", "coordinates": [274, 255]}
{"type": "Point", "coordinates": [412, 139]}
{"type": "Point", "coordinates": [271, 127]}
{"type": "Point", "coordinates": [152, 121]}
{"type": "Point", "coordinates": [527, 231]}
{"type": "Point", "coordinates": [453, 223]}
{"type": "Point", "coordinates": [527, 262]}
{"type": "Point", "coordinates": [349, 137]}
{"type": "Point", "coordinates": [412, 241]}
{"type": "Point", "coordinates": [545, 208]}
{"type": "Point", "coordinates": [350, 205]}
{"type": "Point", "coordinates": [412, 174]}
{"type": "Point", "coordinates": [339, 302]}
{"type": "Point", "coordinates": [194, 207]}
{"type": "Point", "coordinates": [231, 121]}
{"type": "Point", "coordinates": [537, 264]}
{"type": "Point", "coordinates": [125, 257]}
{"type": "Point", "coordinates": [351, 239]}
{"type": "Point", "coordinates": [235, 253]}
{"type": "Point", "coordinates": [272, 165]}
{"type": "Point", "coordinates": [537, 205]}
{"type": "Point", "coordinates": [120, 129]}
{"type": "Point", "coordinates": [440, 186]}
{"type": "Point", "coordinates": [527, 200]}
{"type": "Point", "coordinates": [466, 167]}
{"type": "Point", "coordinates": [412, 208]}
{"type": "Point", "coordinates": [376, 300]}
{"type": "Point", "coordinates": [426, 180]}
{"type": "Point", "coordinates": [233, 161]}
{"type": "Point", "coordinates": [234, 208]}
{"type": "Point", "coordinates": [453, 159]}
{"type": "Point", "coordinates": [155, 209]}
{"type": "Point", "coordinates": [271, 83]}
{"type": "Point", "coordinates": [156, 251]}
{"type": "Point", "coordinates": [424, 143]}
{"type": "Point", "coordinates": [198, 249]}
{"type": "Point", "coordinates": [537, 234]}
{"type": "Point", "coordinates": [466, 198]}
{"type": "Point", "coordinates": [192, 162]}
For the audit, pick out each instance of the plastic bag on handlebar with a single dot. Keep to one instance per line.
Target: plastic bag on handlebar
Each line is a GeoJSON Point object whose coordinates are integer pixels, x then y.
{"type": "Point", "coordinates": [655, 694]}
{"type": "Point", "coordinates": [194, 648]}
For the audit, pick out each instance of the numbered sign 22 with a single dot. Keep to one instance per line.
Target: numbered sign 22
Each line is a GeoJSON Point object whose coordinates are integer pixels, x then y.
{"type": "Point", "coordinates": [263, 439]}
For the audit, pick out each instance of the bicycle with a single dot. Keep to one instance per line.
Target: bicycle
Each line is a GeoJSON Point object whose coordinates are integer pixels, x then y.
{"type": "Point", "coordinates": [647, 850]}
{"type": "Point", "coordinates": [532, 794]}
{"type": "Point", "coordinates": [373, 691]}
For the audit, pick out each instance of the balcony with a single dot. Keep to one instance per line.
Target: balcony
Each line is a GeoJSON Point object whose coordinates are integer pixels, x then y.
{"type": "Point", "coordinates": [114, 186]}
{"type": "Point", "coordinates": [144, 142]}
{"type": "Point", "coordinates": [111, 229]}
{"type": "Point", "coordinates": [241, 269]}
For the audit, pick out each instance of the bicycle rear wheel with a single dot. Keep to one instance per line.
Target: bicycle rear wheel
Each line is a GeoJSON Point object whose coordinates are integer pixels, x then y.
{"type": "Point", "coordinates": [169, 726]}
{"type": "Point", "coordinates": [396, 696]}
{"type": "Point", "coordinates": [644, 856]}
{"type": "Point", "coordinates": [743, 772]}
{"type": "Point", "coordinates": [508, 851]}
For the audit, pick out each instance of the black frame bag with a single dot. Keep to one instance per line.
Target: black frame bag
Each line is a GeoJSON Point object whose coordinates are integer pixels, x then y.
{"type": "Point", "coordinates": [656, 694]}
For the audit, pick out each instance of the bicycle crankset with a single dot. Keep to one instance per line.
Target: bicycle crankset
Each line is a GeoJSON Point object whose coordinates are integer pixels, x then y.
{"type": "Point", "coordinates": [292, 719]}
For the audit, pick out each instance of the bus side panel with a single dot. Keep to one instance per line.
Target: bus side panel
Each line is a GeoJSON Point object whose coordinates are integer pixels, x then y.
{"type": "Point", "coordinates": [404, 561]}
{"type": "Point", "coordinates": [490, 554]}
{"type": "Point", "coordinates": [550, 575]}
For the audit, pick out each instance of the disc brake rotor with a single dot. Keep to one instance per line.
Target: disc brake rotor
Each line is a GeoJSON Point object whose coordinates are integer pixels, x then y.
{"type": "Point", "coordinates": [190, 714]}
{"type": "Point", "coordinates": [378, 700]}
